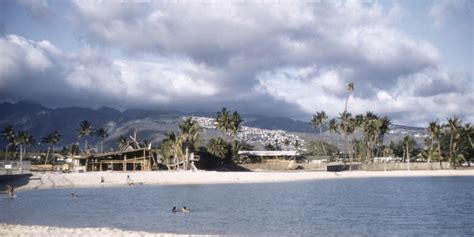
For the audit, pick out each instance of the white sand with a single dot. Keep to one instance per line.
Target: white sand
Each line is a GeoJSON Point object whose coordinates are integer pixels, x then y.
{"type": "Point", "coordinates": [92, 179]}
{"type": "Point", "coordinates": [47, 231]}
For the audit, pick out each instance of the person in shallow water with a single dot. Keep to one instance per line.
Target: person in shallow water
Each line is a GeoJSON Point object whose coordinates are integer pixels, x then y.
{"type": "Point", "coordinates": [184, 210]}
{"type": "Point", "coordinates": [73, 195]}
{"type": "Point", "coordinates": [174, 210]}
{"type": "Point", "coordinates": [10, 191]}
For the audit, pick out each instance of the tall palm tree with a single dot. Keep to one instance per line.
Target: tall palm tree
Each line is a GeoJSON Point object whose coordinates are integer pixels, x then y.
{"type": "Point", "coordinates": [454, 127]}
{"type": "Point", "coordinates": [344, 126]}
{"type": "Point", "coordinates": [189, 130]}
{"type": "Point", "coordinates": [384, 128]}
{"type": "Point", "coordinates": [224, 121]}
{"type": "Point", "coordinates": [319, 119]}
{"type": "Point", "coordinates": [433, 130]}
{"type": "Point", "coordinates": [372, 126]}
{"type": "Point", "coordinates": [8, 134]}
{"type": "Point", "coordinates": [333, 127]}
{"type": "Point", "coordinates": [25, 139]}
{"type": "Point", "coordinates": [86, 129]}
{"type": "Point", "coordinates": [229, 124]}
{"type": "Point", "coordinates": [102, 135]}
{"type": "Point", "coordinates": [52, 139]}
{"type": "Point", "coordinates": [350, 88]}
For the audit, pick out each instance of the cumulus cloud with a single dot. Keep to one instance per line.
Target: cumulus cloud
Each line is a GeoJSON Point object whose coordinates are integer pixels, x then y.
{"type": "Point", "coordinates": [283, 58]}
{"type": "Point", "coordinates": [32, 69]}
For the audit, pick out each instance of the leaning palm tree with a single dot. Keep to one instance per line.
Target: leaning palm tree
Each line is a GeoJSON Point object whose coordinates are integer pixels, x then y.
{"type": "Point", "coordinates": [319, 119]}
{"type": "Point", "coordinates": [86, 129]}
{"type": "Point", "coordinates": [102, 135]}
{"type": "Point", "coordinates": [51, 139]}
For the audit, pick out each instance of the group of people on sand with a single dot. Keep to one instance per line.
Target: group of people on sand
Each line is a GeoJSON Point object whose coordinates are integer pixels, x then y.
{"type": "Point", "coordinates": [183, 210]}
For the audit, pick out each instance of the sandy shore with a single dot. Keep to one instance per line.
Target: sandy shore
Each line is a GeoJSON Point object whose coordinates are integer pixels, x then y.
{"type": "Point", "coordinates": [93, 179]}
{"type": "Point", "coordinates": [25, 230]}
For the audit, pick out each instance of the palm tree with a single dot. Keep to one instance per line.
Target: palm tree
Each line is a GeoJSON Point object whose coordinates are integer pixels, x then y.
{"type": "Point", "coordinates": [454, 127]}
{"type": "Point", "coordinates": [319, 119]}
{"type": "Point", "coordinates": [350, 88]}
{"type": "Point", "coordinates": [372, 125]}
{"type": "Point", "coordinates": [25, 139]}
{"type": "Point", "coordinates": [229, 124]}
{"type": "Point", "coordinates": [333, 127]}
{"type": "Point", "coordinates": [383, 129]}
{"type": "Point", "coordinates": [468, 130]}
{"type": "Point", "coordinates": [86, 130]}
{"type": "Point", "coordinates": [236, 122]}
{"type": "Point", "coordinates": [102, 135]}
{"type": "Point", "coordinates": [224, 121]}
{"type": "Point", "coordinates": [434, 130]}
{"type": "Point", "coordinates": [52, 139]}
{"type": "Point", "coordinates": [8, 134]}
{"type": "Point", "coordinates": [189, 130]}
{"type": "Point", "coordinates": [344, 126]}
{"type": "Point", "coordinates": [218, 147]}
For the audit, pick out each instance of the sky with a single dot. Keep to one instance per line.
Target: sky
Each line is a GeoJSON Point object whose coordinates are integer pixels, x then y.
{"type": "Point", "coordinates": [411, 60]}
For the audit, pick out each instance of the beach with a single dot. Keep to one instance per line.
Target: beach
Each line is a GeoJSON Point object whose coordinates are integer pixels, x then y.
{"type": "Point", "coordinates": [47, 231]}
{"type": "Point", "coordinates": [94, 179]}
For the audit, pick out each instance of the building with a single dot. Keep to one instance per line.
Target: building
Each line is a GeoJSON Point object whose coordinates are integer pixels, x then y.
{"type": "Point", "coordinates": [140, 159]}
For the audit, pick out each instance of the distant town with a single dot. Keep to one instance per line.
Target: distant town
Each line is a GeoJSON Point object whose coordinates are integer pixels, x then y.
{"type": "Point", "coordinates": [259, 136]}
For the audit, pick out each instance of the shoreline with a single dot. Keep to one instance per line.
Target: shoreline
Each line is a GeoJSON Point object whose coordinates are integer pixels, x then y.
{"type": "Point", "coordinates": [38, 230]}
{"type": "Point", "coordinates": [49, 180]}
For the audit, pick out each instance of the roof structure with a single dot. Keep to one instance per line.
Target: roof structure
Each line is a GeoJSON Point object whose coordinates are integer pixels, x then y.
{"type": "Point", "coordinates": [268, 153]}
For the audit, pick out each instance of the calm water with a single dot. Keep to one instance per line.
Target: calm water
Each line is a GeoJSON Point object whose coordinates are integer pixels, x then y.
{"type": "Point", "coordinates": [428, 206]}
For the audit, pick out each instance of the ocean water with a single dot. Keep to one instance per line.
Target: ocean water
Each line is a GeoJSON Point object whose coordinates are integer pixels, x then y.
{"type": "Point", "coordinates": [415, 206]}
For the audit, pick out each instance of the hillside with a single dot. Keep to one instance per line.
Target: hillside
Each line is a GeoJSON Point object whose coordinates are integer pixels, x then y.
{"type": "Point", "coordinates": [151, 125]}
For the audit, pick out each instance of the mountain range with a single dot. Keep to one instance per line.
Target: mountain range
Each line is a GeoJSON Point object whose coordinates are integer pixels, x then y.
{"type": "Point", "coordinates": [152, 125]}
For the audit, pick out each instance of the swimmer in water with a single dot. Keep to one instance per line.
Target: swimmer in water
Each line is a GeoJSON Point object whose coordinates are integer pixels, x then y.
{"type": "Point", "coordinates": [184, 210]}
{"type": "Point", "coordinates": [10, 191]}
{"type": "Point", "coordinates": [174, 210]}
{"type": "Point", "coordinates": [73, 195]}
